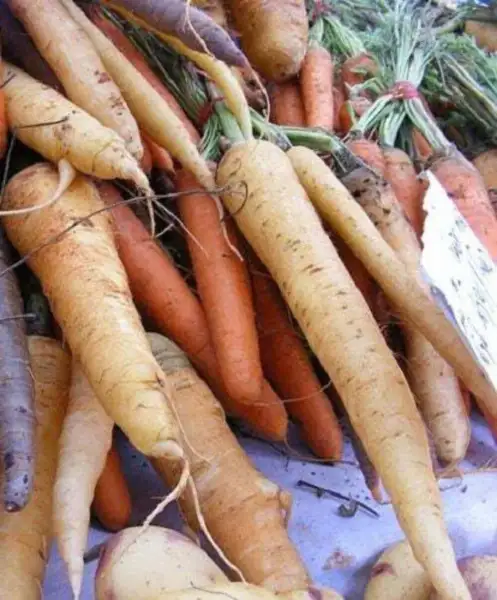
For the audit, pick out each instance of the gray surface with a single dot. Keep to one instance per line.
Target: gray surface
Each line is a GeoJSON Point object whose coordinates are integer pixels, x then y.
{"type": "Point", "coordinates": [338, 551]}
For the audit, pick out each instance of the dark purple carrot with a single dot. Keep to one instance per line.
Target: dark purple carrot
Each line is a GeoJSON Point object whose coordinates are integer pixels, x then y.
{"type": "Point", "coordinates": [17, 423]}
{"type": "Point", "coordinates": [18, 48]}
{"type": "Point", "coordinates": [192, 26]}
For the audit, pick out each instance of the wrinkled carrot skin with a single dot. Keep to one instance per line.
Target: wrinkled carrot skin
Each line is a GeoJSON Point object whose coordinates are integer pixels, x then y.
{"type": "Point", "coordinates": [112, 501]}
{"type": "Point", "coordinates": [351, 111]}
{"type": "Point", "coordinates": [287, 365]}
{"type": "Point", "coordinates": [287, 107]}
{"type": "Point", "coordinates": [159, 157]}
{"type": "Point", "coordinates": [162, 294]}
{"type": "Point", "coordinates": [224, 287]}
{"type": "Point", "coordinates": [401, 175]}
{"type": "Point", "coordinates": [316, 86]}
{"type": "Point", "coordinates": [466, 188]}
{"type": "Point", "coordinates": [138, 61]}
{"type": "Point", "coordinates": [357, 69]}
{"type": "Point", "coordinates": [370, 153]}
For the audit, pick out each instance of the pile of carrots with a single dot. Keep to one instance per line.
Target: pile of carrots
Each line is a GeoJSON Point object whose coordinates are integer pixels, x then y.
{"type": "Point", "coordinates": [147, 288]}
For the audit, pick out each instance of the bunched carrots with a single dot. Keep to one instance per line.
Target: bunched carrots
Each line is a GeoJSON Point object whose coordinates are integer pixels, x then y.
{"type": "Point", "coordinates": [163, 295]}
{"type": "Point", "coordinates": [288, 367]}
{"type": "Point", "coordinates": [341, 331]}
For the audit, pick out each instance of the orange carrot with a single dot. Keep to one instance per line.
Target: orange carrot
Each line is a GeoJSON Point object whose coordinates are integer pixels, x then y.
{"type": "Point", "coordinates": [287, 365]}
{"type": "Point", "coordinates": [287, 107]}
{"type": "Point", "coordinates": [163, 295]}
{"type": "Point", "coordinates": [138, 61]}
{"type": "Point", "coordinates": [369, 152]}
{"type": "Point", "coordinates": [224, 287]}
{"type": "Point", "coordinates": [338, 101]}
{"type": "Point", "coordinates": [160, 157]}
{"type": "Point", "coordinates": [146, 161]}
{"type": "Point", "coordinates": [350, 111]}
{"type": "Point", "coordinates": [467, 189]}
{"type": "Point", "coordinates": [112, 501]}
{"type": "Point", "coordinates": [422, 148]}
{"type": "Point", "coordinates": [401, 175]}
{"type": "Point", "coordinates": [486, 163]}
{"type": "Point", "coordinates": [357, 69]}
{"type": "Point", "coordinates": [316, 86]}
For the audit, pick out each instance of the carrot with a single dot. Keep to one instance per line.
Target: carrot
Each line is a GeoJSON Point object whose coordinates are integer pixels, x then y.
{"type": "Point", "coordinates": [467, 189]}
{"type": "Point", "coordinates": [57, 129]}
{"type": "Point", "coordinates": [350, 222]}
{"type": "Point", "coordinates": [215, 10]}
{"type": "Point", "coordinates": [316, 86]}
{"type": "Point", "coordinates": [17, 421]}
{"type": "Point", "coordinates": [350, 112]}
{"type": "Point", "coordinates": [84, 442]}
{"type": "Point", "coordinates": [25, 536]}
{"type": "Point", "coordinates": [236, 500]}
{"type": "Point", "coordinates": [485, 34]}
{"type": "Point", "coordinates": [18, 48]}
{"type": "Point", "coordinates": [288, 368]}
{"type": "Point", "coordinates": [159, 157]}
{"type": "Point", "coordinates": [153, 114]}
{"type": "Point", "coordinates": [432, 380]}
{"type": "Point", "coordinates": [287, 107]}
{"type": "Point", "coordinates": [273, 34]}
{"type": "Point", "coordinates": [224, 288]}
{"type": "Point", "coordinates": [356, 69]}
{"type": "Point", "coordinates": [486, 163]}
{"type": "Point", "coordinates": [3, 117]}
{"type": "Point", "coordinates": [338, 102]}
{"type": "Point", "coordinates": [126, 379]}
{"type": "Point", "coordinates": [146, 160]}
{"type": "Point", "coordinates": [282, 226]}
{"type": "Point", "coordinates": [369, 152]}
{"type": "Point", "coordinates": [67, 49]}
{"type": "Point", "coordinates": [193, 27]}
{"type": "Point", "coordinates": [136, 58]}
{"type": "Point", "coordinates": [217, 70]}
{"type": "Point", "coordinates": [422, 148]}
{"type": "Point", "coordinates": [112, 501]}
{"type": "Point", "coordinates": [408, 190]}
{"type": "Point", "coordinates": [163, 295]}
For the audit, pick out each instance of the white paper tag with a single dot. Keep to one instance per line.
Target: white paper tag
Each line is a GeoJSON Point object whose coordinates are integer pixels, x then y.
{"type": "Point", "coordinates": [462, 276]}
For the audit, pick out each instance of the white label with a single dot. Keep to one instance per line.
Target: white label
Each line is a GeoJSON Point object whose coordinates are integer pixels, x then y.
{"type": "Point", "coordinates": [462, 276]}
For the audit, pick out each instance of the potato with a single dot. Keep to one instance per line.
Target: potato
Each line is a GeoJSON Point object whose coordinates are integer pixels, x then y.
{"type": "Point", "coordinates": [158, 562]}
{"type": "Point", "coordinates": [480, 573]}
{"type": "Point", "coordinates": [273, 34]}
{"type": "Point", "coordinates": [398, 576]}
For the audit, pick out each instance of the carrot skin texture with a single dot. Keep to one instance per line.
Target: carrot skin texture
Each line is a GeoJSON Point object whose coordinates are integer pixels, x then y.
{"type": "Point", "coordinates": [159, 157]}
{"type": "Point", "coordinates": [466, 188]}
{"type": "Point", "coordinates": [287, 107]}
{"type": "Point", "coordinates": [128, 382]}
{"type": "Point", "coordinates": [25, 535]}
{"type": "Point", "coordinates": [84, 442]}
{"type": "Point", "coordinates": [235, 498]}
{"type": "Point", "coordinates": [486, 163]}
{"type": "Point", "coordinates": [18, 48]}
{"type": "Point", "coordinates": [17, 419]}
{"type": "Point", "coordinates": [224, 287]}
{"type": "Point", "coordinates": [370, 153]}
{"type": "Point", "coordinates": [112, 500]}
{"type": "Point", "coordinates": [163, 295]}
{"type": "Point", "coordinates": [287, 366]}
{"type": "Point", "coordinates": [69, 133]}
{"type": "Point", "coordinates": [72, 56]}
{"type": "Point", "coordinates": [352, 224]}
{"type": "Point", "coordinates": [316, 85]}
{"type": "Point", "coordinates": [171, 17]}
{"type": "Point", "coordinates": [401, 175]}
{"type": "Point", "coordinates": [137, 59]}
{"type": "Point", "coordinates": [273, 35]}
{"type": "Point", "coordinates": [333, 315]}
